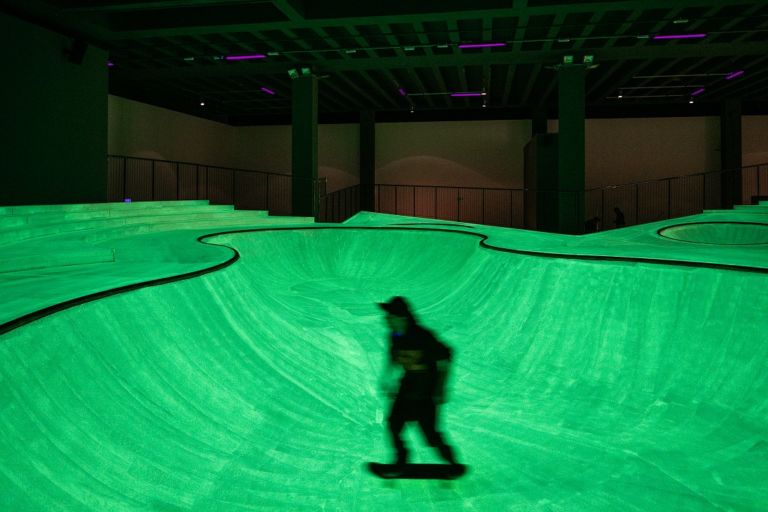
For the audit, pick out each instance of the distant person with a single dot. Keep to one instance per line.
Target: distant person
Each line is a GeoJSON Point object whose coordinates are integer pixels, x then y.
{"type": "Point", "coordinates": [421, 390]}
{"type": "Point", "coordinates": [592, 225]}
{"type": "Point", "coordinates": [619, 220]}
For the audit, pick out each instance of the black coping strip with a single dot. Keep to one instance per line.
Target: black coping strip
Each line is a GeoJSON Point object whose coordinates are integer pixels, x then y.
{"type": "Point", "coordinates": [50, 310]}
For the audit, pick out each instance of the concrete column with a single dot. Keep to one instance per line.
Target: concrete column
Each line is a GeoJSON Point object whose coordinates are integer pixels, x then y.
{"type": "Point", "coordinates": [539, 123]}
{"type": "Point", "coordinates": [367, 161]}
{"type": "Point", "coordinates": [304, 146]}
{"type": "Point", "coordinates": [571, 158]}
{"type": "Point", "coordinates": [730, 152]}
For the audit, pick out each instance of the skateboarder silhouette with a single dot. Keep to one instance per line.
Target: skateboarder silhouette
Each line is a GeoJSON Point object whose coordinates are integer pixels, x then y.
{"type": "Point", "coordinates": [421, 390]}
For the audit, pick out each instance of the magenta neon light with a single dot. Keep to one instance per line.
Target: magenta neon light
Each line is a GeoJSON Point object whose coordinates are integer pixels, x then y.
{"type": "Point", "coordinates": [698, 91]}
{"type": "Point", "coordinates": [734, 75]}
{"type": "Point", "coordinates": [482, 45]}
{"type": "Point", "coordinates": [402, 92]}
{"type": "Point", "coordinates": [466, 94]}
{"type": "Point", "coordinates": [681, 36]}
{"type": "Point", "coordinates": [268, 91]}
{"type": "Point", "coordinates": [245, 57]}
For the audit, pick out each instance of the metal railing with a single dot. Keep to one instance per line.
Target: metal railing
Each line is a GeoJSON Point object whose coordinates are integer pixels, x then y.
{"type": "Point", "coordinates": [641, 202]}
{"type": "Point", "coordinates": [145, 179]}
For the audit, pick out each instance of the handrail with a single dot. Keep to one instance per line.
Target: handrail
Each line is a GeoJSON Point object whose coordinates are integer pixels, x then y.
{"type": "Point", "coordinates": [680, 197]}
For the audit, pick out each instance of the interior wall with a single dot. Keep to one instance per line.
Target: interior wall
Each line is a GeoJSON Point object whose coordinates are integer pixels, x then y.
{"type": "Point", "coordinates": [268, 148]}
{"type": "Point", "coordinates": [54, 119]}
{"type": "Point", "coordinates": [141, 130]}
{"type": "Point", "coordinates": [620, 151]}
{"type": "Point", "coordinates": [459, 153]}
{"type": "Point", "coordinates": [754, 136]}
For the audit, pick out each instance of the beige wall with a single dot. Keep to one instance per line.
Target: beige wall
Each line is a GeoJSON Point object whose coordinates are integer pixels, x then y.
{"type": "Point", "coordinates": [754, 145]}
{"type": "Point", "coordinates": [141, 130]}
{"type": "Point", "coordinates": [629, 150]}
{"type": "Point", "coordinates": [458, 153]}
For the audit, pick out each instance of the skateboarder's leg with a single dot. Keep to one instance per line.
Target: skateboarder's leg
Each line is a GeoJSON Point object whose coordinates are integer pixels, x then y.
{"type": "Point", "coordinates": [396, 422]}
{"type": "Point", "coordinates": [428, 423]}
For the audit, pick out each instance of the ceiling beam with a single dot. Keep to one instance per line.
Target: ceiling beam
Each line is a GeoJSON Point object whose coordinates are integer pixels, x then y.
{"type": "Point", "coordinates": [519, 9]}
{"type": "Point", "coordinates": [463, 59]}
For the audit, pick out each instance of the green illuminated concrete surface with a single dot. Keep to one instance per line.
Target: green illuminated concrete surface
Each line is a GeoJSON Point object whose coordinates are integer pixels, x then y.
{"type": "Point", "coordinates": [578, 385]}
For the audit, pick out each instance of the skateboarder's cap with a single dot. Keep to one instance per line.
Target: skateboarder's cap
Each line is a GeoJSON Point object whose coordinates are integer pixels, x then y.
{"type": "Point", "coordinates": [396, 306]}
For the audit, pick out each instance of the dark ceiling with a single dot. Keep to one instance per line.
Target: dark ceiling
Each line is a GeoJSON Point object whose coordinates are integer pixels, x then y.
{"type": "Point", "coordinates": [368, 53]}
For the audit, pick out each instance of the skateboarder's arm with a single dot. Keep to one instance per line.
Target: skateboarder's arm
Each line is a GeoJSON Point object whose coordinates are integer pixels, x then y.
{"type": "Point", "coordinates": [442, 377]}
{"type": "Point", "coordinates": [389, 378]}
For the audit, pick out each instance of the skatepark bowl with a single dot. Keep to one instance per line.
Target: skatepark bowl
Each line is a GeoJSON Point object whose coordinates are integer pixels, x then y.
{"type": "Point", "coordinates": [615, 371]}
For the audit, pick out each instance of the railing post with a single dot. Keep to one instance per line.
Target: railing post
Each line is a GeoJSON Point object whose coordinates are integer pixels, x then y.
{"type": "Point", "coordinates": [178, 181]}
{"type": "Point", "coordinates": [669, 198]}
{"type": "Point", "coordinates": [197, 181]}
{"type": "Point", "coordinates": [637, 204]}
{"type": "Point", "coordinates": [414, 201]}
{"type": "Point", "coordinates": [153, 180]}
{"type": "Point", "coordinates": [233, 187]}
{"type": "Point", "coordinates": [125, 178]}
{"type": "Point", "coordinates": [482, 205]}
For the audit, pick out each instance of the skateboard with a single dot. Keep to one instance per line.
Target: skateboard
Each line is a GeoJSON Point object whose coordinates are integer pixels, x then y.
{"type": "Point", "coordinates": [417, 471]}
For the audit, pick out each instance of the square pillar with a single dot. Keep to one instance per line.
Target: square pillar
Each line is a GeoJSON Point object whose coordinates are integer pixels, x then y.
{"type": "Point", "coordinates": [367, 161]}
{"type": "Point", "coordinates": [571, 153]}
{"type": "Point", "coordinates": [730, 152]}
{"type": "Point", "coordinates": [305, 200]}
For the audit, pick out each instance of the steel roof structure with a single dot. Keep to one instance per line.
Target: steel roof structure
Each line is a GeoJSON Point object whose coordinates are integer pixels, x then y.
{"type": "Point", "coordinates": [396, 56]}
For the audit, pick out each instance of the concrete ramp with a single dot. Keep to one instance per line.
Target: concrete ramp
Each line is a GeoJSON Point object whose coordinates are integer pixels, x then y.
{"type": "Point", "coordinates": [577, 385]}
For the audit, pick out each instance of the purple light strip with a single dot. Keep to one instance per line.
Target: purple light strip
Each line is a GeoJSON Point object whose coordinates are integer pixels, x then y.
{"type": "Point", "coordinates": [697, 92]}
{"type": "Point", "coordinates": [245, 57]}
{"type": "Point", "coordinates": [466, 94]}
{"type": "Point", "coordinates": [482, 45]}
{"type": "Point", "coordinates": [681, 36]}
{"type": "Point", "coordinates": [402, 92]}
{"type": "Point", "coordinates": [110, 64]}
{"type": "Point", "coordinates": [734, 74]}
{"type": "Point", "coordinates": [268, 91]}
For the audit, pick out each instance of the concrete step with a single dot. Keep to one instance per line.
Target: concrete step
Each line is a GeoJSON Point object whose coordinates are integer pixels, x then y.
{"type": "Point", "coordinates": [30, 232]}
{"type": "Point", "coordinates": [86, 207]}
{"type": "Point", "coordinates": [52, 218]}
{"type": "Point", "coordinates": [11, 222]}
{"type": "Point", "coordinates": [31, 258]}
{"type": "Point", "coordinates": [741, 211]}
{"type": "Point", "coordinates": [754, 207]}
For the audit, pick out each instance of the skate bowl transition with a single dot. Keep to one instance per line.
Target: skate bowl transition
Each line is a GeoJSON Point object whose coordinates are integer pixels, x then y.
{"type": "Point", "coordinates": [719, 233]}
{"type": "Point", "coordinates": [577, 385]}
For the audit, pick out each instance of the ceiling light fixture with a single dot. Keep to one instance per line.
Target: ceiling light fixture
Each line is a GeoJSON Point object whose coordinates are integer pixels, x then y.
{"type": "Point", "coordinates": [246, 57]}
{"type": "Point", "coordinates": [402, 92]}
{"type": "Point", "coordinates": [467, 94]}
{"type": "Point", "coordinates": [735, 74]}
{"type": "Point", "coordinates": [481, 45]}
{"type": "Point", "coordinates": [680, 36]}
{"type": "Point", "coordinates": [409, 48]}
{"type": "Point", "coordinates": [189, 59]}
{"type": "Point", "coordinates": [268, 91]}
{"type": "Point", "coordinates": [697, 92]}
{"type": "Point", "coordinates": [110, 64]}
{"type": "Point", "coordinates": [680, 21]}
